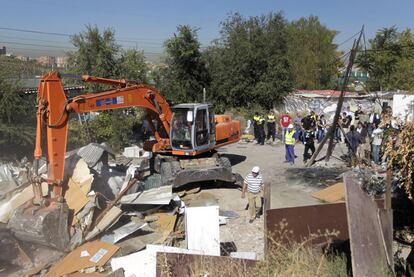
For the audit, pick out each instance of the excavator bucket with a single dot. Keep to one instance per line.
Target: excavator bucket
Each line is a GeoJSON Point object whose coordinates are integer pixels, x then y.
{"type": "Point", "coordinates": [47, 226]}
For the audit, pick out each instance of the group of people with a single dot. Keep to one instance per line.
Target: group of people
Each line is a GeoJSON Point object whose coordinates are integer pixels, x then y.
{"type": "Point", "coordinates": [259, 122]}
{"type": "Point", "coordinates": [359, 130]}
{"type": "Point", "coordinates": [362, 132]}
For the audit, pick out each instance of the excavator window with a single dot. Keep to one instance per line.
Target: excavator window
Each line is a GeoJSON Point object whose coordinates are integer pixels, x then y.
{"type": "Point", "coordinates": [201, 126]}
{"type": "Point", "coordinates": [181, 130]}
{"type": "Point", "coordinates": [212, 125]}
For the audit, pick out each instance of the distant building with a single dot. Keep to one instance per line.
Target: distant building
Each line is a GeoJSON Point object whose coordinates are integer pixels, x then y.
{"type": "Point", "coordinates": [357, 78]}
{"type": "Point", "coordinates": [62, 62]}
{"type": "Point", "coordinates": [3, 50]}
{"type": "Point", "coordinates": [46, 60]}
{"type": "Point", "coordinates": [23, 58]}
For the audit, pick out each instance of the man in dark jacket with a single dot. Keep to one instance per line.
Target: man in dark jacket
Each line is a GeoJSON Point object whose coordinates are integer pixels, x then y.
{"type": "Point", "coordinates": [353, 139]}
{"type": "Point", "coordinates": [309, 142]}
{"type": "Point", "coordinates": [364, 146]}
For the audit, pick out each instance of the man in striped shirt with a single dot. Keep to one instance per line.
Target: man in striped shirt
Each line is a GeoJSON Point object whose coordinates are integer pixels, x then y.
{"type": "Point", "coordinates": [254, 184]}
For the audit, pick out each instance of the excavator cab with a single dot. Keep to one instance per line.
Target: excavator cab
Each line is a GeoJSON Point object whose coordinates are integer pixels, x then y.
{"type": "Point", "coordinates": [192, 128]}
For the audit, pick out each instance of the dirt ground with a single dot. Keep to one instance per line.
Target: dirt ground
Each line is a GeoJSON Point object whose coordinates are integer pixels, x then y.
{"type": "Point", "coordinates": [288, 188]}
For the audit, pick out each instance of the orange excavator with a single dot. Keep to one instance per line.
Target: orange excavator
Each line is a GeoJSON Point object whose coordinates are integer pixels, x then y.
{"type": "Point", "coordinates": [186, 137]}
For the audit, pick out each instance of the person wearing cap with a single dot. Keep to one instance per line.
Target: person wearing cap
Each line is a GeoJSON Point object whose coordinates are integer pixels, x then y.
{"type": "Point", "coordinates": [291, 137]}
{"type": "Point", "coordinates": [271, 126]}
{"type": "Point", "coordinates": [253, 183]}
{"type": "Point", "coordinates": [358, 114]}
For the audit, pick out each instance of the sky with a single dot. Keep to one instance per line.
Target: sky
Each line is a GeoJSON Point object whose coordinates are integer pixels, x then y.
{"type": "Point", "coordinates": [147, 24]}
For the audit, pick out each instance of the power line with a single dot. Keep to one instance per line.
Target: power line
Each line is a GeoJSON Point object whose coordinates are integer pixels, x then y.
{"type": "Point", "coordinates": [38, 45]}
{"type": "Point", "coordinates": [34, 32]}
{"type": "Point", "coordinates": [348, 39]}
{"type": "Point", "coordinates": [48, 50]}
{"type": "Point", "coordinates": [135, 40]}
{"type": "Point", "coordinates": [32, 39]}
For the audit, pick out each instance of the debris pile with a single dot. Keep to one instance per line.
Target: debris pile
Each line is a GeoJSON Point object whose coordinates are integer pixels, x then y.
{"type": "Point", "coordinates": [120, 216]}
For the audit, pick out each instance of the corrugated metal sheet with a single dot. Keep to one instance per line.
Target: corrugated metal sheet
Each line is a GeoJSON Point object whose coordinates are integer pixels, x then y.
{"type": "Point", "coordinates": [92, 153]}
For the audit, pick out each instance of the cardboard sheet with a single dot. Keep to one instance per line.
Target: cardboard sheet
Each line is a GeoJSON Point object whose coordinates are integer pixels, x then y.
{"type": "Point", "coordinates": [100, 253]}
{"type": "Point", "coordinates": [164, 225]}
{"type": "Point", "coordinates": [332, 194]}
{"type": "Point", "coordinates": [82, 176]}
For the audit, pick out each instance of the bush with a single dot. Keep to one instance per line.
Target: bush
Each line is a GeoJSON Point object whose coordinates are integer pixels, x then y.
{"type": "Point", "coordinates": [113, 127]}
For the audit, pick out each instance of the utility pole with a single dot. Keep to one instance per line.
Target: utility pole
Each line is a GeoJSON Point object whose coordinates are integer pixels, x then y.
{"type": "Point", "coordinates": [330, 134]}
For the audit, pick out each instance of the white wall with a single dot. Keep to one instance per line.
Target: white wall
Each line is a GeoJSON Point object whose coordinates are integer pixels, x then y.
{"type": "Point", "coordinates": [403, 107]}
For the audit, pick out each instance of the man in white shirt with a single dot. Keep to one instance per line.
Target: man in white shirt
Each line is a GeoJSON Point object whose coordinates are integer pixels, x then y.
{"type": "Point", "coordinates": [254, 185]}
{"type": "Point", "coordinates": [377, 135]}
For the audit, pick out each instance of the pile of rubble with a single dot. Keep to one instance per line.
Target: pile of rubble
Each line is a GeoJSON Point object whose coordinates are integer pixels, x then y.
{"type": "Point", "coordinates": [120, 217]}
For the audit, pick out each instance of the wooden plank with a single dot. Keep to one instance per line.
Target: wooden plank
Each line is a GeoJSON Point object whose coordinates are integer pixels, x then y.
{"type": "Point", "coordinates": [368, 243]}
{"type": "Point", "coordinates": [99, 254]}
{"type": "Point", "coordinates": [107, 221]}
{"type": "Point", "coordinates": [332, 194]}
{"type": "Point", "coordinates": [75, 197]}
{"type": "Point", "coordinates": [385, 221]}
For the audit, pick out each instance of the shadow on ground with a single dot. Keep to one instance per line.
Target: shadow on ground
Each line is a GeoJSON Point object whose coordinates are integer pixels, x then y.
{"type": "Point", "coordinates": [316, 176]}
{"type": "Point", "coordinates": [234, 158]}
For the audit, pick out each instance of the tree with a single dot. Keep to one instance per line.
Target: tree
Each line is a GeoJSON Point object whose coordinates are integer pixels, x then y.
{"type": "Point", "coordinates": [248, 65]}
{"type": "Point", "coordinates": [312, 54]}
{"type": "Point", "coordinates": [186, 74]}
{"type": "Point", "coordinates": [388, 60]}
{"type": "Point", "coordinates": [132, 66]}
{"type": "Point", "coordinates": [96, 54]}
{"type": "Point", "coordinates": [17, 120]}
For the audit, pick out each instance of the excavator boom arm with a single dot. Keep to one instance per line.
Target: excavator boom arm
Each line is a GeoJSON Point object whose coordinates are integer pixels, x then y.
{"type": "Point", "coordinates": [54, 109]}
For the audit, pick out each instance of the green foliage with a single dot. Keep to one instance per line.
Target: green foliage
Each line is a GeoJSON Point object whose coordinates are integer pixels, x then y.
{"type": "Point", "coordinates": [16, 120]}
{"type": "Point", "coordinates": [132, 66]}
{"type": "Point", "coordinates": [248, 65]}
{"type": "Point", "coordinates": [389, 59]}
{"type": "Point", "coordinates": [312, 54]}
{"type": "Point", "coordinates": [186, 74]}
{"type": "Point", "coordinates": [98, 54]}
{"type": "Point", "coordinates": [113, 127]}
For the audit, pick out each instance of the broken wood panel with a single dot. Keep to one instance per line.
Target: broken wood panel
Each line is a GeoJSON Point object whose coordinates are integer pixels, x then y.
{"type": "Point", "coordinates": [75, 197]}
{"type": "Point", "coordinates": [386, 223]}
{"type": "Point", "coordinates": [107, 221]}
{"type": "Point", "coordinates": [82, 176]}
{"type": "Point", "coordinates": [98, 254]}
{"type": "Point", "coordinates": [332, 194]}
{"type": "Point", "coordinates": [169, 264]}
{"type": "Point", "coordinates": [306, 220]}
{"type": "Point", "coordinates": [368, 246]}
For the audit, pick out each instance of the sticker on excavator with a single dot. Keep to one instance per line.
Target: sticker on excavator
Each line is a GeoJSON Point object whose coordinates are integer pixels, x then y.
{"type": "Point", "coordinates": [110, 101]}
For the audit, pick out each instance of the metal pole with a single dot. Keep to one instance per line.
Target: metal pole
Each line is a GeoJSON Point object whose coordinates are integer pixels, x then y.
{"type": "Point", "coordinates": [331, 130]}
{"type": "Point", "coordinates": [344, 86]}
